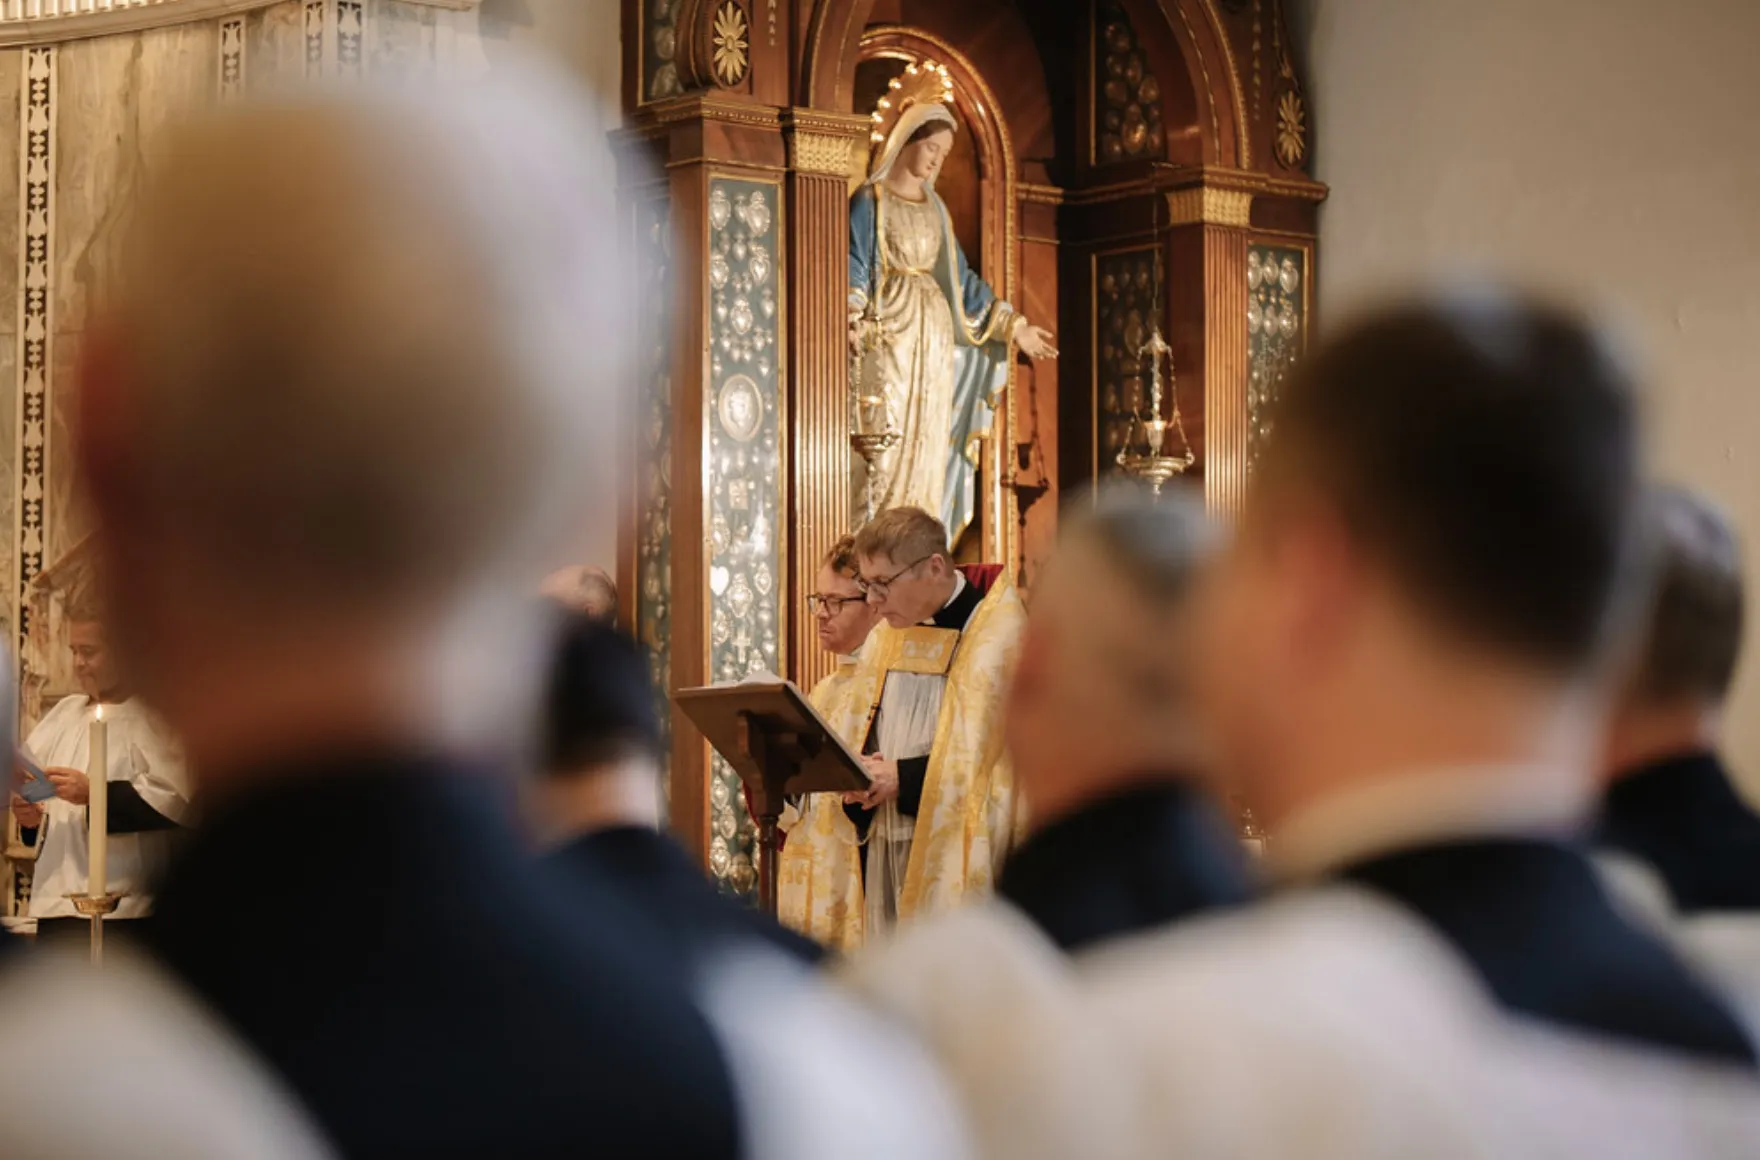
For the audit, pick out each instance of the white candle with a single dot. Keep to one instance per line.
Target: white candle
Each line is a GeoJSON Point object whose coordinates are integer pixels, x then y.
{"type": "Point", "coordinates": [98, 806]}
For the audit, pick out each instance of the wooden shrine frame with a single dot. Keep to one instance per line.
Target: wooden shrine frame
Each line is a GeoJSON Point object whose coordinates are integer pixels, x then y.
{"type": "Point", "coordinates": [743, 417]}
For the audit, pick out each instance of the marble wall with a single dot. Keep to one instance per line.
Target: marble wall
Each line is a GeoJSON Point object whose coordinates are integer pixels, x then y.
{"type": "Point", "coordinates": [77, 120]}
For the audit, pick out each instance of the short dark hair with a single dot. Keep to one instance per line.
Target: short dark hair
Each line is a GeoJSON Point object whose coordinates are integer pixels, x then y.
{"type": "Point", "coordinates": [600, 707]}
{"type": "Point", "coordinates": [1694, 639]}
{"type": "Point", "coordinates": [1485, 447]}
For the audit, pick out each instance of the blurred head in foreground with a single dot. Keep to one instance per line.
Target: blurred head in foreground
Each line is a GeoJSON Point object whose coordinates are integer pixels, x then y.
{"type": "Point", "coordinates": [1675, 691]}
{"type": "Point", "coordinates": [1100, 699]}
{"type": "Point", "coordinates": [584, 589]}
{"type": "Point", "coordinates": [1439, 557]}
{"type": "Point", "coordinates": [331, 408]}
{"type": "Point", "coordinates": [602, 743]}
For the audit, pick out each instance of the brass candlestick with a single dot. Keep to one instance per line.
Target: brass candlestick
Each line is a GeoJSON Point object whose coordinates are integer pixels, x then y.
{"type": "Point", "coordinates": [1146, 458]}
{"type": "Point", "coordinates": [94, 908]}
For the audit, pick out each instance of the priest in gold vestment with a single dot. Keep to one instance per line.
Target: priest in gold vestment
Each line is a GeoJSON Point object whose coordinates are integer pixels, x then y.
{"type": "Point", "coordinates": [844, 619]}
{"type": "Point", "coordinates": [923, 703]}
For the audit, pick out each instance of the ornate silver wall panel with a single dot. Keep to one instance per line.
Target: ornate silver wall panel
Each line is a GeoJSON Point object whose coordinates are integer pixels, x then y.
{"type": "Point", "coordinates": [1124, 313]}
{"type": "Point", "coordinates": [1277, 331]}
{"type": "Point", "coordinates": [654, 553]}
{"type": "Point", "coordinates": [747, 543]}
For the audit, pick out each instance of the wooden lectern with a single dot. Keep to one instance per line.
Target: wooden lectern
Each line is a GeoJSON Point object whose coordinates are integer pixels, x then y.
{"type": "Point", "coordinates": [780, 746]}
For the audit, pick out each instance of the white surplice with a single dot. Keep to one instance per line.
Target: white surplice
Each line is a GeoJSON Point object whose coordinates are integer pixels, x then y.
{"type": "Point", "coordinates": [125, 1064]}
{"type": "Point", "coordinates": [817, 1075]}
{"type": "Point", "coordinates": [904, 728]}
{"type": "Point", "coordinates": [1725, 945]}
{"type": "Point", "coordinates": [1327, 1022]}
{"type": "Point", "coordinates": [141, 753]}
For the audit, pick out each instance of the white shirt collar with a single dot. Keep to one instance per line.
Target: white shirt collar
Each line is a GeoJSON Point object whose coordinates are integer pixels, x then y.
{"type": "Point", "coordinates": [1425, 807]}
{"type": "Point", "coordinates": [959, 585]}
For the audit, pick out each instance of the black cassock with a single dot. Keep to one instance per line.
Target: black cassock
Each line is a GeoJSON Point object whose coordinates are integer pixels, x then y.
{"type": "Point", "coordinates": [1683, 818]}
{"type": "Point", "coordinates": [1534, 921]}
{"type": "Point", "coordinates": [660, 882]}
{"type": "Point", "coordinates": [1137, 860]}
{"type": "Point", "coordinates": [373, 927]}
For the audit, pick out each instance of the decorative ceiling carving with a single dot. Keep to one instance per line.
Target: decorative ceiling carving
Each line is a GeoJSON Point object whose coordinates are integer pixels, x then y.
{"type": "Point", "coordinates": [61, 20]}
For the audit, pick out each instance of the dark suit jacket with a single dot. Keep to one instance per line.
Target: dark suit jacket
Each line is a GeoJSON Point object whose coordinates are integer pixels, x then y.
{"type": "Point", "coordinates": [1137, 860]}
{"type": "Point", "coordinates": [658, 878]}
{"type": "Point", "coordinates": [1531, 918]}
{"type": "Point", "coordinates": [1685, 819]}
{"type": "Point", "coordinates": [373, 927]}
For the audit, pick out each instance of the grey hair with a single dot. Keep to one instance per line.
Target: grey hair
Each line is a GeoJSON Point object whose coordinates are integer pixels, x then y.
{"type": "Point", "coordinates": [1693, 642]}
{"type": "Point", "coordinates": [1155, 547]}
{"type": "Point", "coordinates": [1157, 543]}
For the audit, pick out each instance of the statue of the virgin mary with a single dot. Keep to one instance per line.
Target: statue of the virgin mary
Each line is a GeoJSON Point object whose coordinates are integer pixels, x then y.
{"type": "Point", "coordinates": [935, 339]}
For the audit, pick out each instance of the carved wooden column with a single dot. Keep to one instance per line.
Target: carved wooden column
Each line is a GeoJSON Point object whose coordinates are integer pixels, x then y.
{"type": "Point", "coordinates": [1206, 256]}
{"type": "Point", "coordinates": [1240, 254]}
{"type": "Point", "coordinates": [821, 152]}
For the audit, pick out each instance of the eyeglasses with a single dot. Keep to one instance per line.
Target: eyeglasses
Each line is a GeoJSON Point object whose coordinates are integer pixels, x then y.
{"type": "Point", "coordinates": [879, 588]}
{"type": "Point", "coordinates": [830, 606]}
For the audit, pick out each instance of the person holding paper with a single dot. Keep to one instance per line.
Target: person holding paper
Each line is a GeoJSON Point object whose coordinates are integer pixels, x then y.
{"type": "Point", "coordinates": [927, 698]}
{"type": "Point", "coordinates": [147, 790]}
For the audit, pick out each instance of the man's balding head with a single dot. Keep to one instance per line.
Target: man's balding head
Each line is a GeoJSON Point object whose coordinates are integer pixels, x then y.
{"type": "Point", "coordinates": [1100, 694]}
{"type": "Point", "coordinates": [1693, 638]}
{"type": "Point", "coordinates": [584, 590]}
{"type": "Point", "coordinates": [1680, 678]}
{"type": "Point", "coordinates": [353, 335]}
{"type": "Point", "coordinates": [352, 363]}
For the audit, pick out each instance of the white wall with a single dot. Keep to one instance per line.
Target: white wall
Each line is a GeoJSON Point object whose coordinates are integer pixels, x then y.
{"type": "Point", "coordinates": [1606, 147]}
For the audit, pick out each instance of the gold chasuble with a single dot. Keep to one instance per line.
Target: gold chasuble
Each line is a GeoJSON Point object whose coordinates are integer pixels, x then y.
{"type": "Point", "coordinates": [966, 821]}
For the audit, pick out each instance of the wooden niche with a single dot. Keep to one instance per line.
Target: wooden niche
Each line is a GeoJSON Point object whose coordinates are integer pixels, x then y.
{"type": "Point", "coordinates": [1122, 167]}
